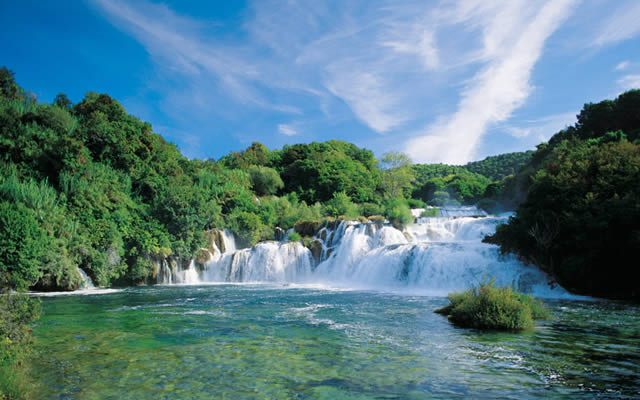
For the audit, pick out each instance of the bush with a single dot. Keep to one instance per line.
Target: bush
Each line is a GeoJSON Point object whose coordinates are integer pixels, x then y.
{"type": "Point", "coordinates": [491, 307]}
{"type": "Point", "coordinates": [398, 213]}
{"type": "Point", "coordinates": [23, 246]}
{"type": "Point", "coordinates": [430, 212]}
{"type": "Point", "coordinates": [265, 180]}
{"type": "Point", "coordinates": [341, 204]}
{"type": "Point", "coordinates": [248, 228]}
{"type": "Point", "coordinates": [368, 209]}
{"type": "Point", "coordinates": [416, 203]}
{"type": "Point", "coordinates": [294, 237]}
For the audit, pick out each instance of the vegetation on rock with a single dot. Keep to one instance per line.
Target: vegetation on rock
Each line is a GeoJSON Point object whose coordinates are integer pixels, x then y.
{"type": "Point", "coordinates": [492, 307]}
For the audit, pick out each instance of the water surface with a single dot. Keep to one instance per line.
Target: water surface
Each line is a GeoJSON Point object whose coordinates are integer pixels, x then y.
{"type": "Point", "coordinates": [288, 342]}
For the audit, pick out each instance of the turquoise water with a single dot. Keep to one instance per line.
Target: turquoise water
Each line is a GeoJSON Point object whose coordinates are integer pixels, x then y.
{"type": "Point", "coordinates": [285, 342]}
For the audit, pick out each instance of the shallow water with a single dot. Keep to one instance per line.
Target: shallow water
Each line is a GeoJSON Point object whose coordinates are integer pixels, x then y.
{"type": "Point", "coordinates": [288, 342]}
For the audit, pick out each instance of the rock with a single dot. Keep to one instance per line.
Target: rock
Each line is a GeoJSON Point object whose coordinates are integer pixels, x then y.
{"type": "Point", "coordinates": [279, 234]}
{"type": "Point", "coordinates": [308, 228]}
{"type": "Point", "coordinates": [202, 257]}
{"type": "Point", "coordinates": [216, 238]}
{"type": "Point", "coordinates": [316, 250]}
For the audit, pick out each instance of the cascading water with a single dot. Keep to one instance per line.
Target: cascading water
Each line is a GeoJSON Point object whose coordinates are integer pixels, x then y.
{"type": "Point", "coordinates": [87, 283]}
{"type": "Point", "coordinates": [436, 255]}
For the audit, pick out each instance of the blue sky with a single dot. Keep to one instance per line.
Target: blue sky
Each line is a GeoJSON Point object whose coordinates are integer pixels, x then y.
{"type": "Point", "coordinates": [444, 81]}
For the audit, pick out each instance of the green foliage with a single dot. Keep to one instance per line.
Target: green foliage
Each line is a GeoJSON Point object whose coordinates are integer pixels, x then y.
{"type": "Point", "coordinates": [491, 307]}
{"type": "Point", "coordinates": [18, 312]}
{"type": "Point", "coordinates": [416, 203]}
{"type": "Point", "coordinates": [584, 191]}
{"type": "Point", "coordinates": [294, 237]}
{"type": "Point", "coordinates": [265, 180]}
{"type": "Point", "coordinates": [23, 246]}
{"type": "Point", "coordinates": [430, 212]}
{"type": "Point", "coordinates": [396, 173]}
{"type": "Point", "coordinates": [398, 212]}
{"type": "Point", "coordinates": [248, 228]}
{"type": "Point", "coordinates": [605, 121]}
{"type": "Point", "coordinates": [286, 211]}
{"type": "Point", "coordinates": [318, 170]}
{"type": "Point", "coordinates": [369, 209]}
{"type": "Point", "coordinates": [444, 185]}
{"type": "Point", "coordinates": [341, 204]}
{"type": "Point", "coordinates": [499, 167]}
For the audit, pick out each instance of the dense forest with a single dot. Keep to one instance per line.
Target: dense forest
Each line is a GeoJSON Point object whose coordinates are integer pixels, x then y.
{"type": "Point", "coordinates": [90, 186]}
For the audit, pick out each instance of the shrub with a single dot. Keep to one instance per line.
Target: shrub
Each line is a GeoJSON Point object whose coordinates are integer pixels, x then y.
{"type": "Point", "coordinates": [265, 180]}
{"type": "Point", "coordinates": [248, 228]}
{"type": "Point", "coordinates": [294, 237]}
{"type": "Point", "coordinates": [416, 203]}
{"type": "Point", "coordinates": [491, 307]}
{"type": "Point", "coordinates": [23, 246]}
{"type": "Point", "coordinates": [430, 212]}
{"type": "Point", "coordinates": [341, 204]}
{"type": "Point", "coordinates": [371, 209]}
{"type": "Point", "coordinates": [398, 213]}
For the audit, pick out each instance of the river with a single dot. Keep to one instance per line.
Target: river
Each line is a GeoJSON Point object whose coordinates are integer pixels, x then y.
{"type": "Point", "coordinates": [287, 341]}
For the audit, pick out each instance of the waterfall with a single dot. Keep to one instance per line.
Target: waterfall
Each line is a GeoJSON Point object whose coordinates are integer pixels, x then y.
{"type": "Point", "coordinates": [435, 255]}
{"type": "Point", "coordinates": [87, 283]}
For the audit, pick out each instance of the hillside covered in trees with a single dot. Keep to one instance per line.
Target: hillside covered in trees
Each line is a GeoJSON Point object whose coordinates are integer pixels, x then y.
{"type": "Point", "coordinates": [579, 202]}
{"type": "Point", "coordinates": [90, 186]}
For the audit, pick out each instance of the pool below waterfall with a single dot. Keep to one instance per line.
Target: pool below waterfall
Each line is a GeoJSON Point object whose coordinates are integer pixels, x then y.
{"type": "Point", "coordinates": [279, 341]}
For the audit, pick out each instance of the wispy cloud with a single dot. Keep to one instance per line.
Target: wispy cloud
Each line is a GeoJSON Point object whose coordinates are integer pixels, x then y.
{"type": "Point", "coordinates": [619, 25]}
{"type": "Point", "coordinates": [179, 45]}
{"type": "Point", "coordinates": [631, 81]}
{"type": "Point", "coordinates": [287, 130]}
{"type": "Point", "coordinates": [622, 66]}
{"type": "Point", "coordinates": [513, 39]}
{"type": "Point", "coordinates": [541, 129]}
{"type": "Point", "coordinates": [434, 76]}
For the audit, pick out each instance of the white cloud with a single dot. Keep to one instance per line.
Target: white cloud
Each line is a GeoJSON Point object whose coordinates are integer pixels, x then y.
{"type": "Point", "coordinates": [395, 67]}
{"type": "Point", "coordinates": [287, 130]}
{"type": "Point", "coordinates": [367, 96]}
{"type": "Point", "coordinates": [513, 40]}
{"type": "Point", "coordinates": [621, 24]}
{"type": "Point", "coordinates": [542, 128]}
{"type": "Point", "coordinates": [622, 66]}
{"type": "Point", "coordinates": [631, 81]}
{"type": "Point", "coordinates": [180, 48]}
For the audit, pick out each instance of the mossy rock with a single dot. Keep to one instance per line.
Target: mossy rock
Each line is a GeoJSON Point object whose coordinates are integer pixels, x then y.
{"type": "Point", "coordinates": [216, 237]}
{"type": "Point", "coordinates": [308, 228]}
{"type": "Point", "coordinates": [315, 246]}
{"type": "Point", "coordinates": [377, 219]}
{"type": "Point", "coordinates": [202, 257]}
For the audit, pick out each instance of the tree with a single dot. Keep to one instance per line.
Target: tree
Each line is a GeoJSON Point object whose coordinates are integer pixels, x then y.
{"type": "Point", "coordinates": [23, 246]}
{"type": "Point", "coordinates": [396, 173]}
{"type": "Point", "coordinates": [265, 180]}
{"type": "Point", "coordinates": [8, 86]}
{"type": "Point", "coordinates": [62, 101]}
